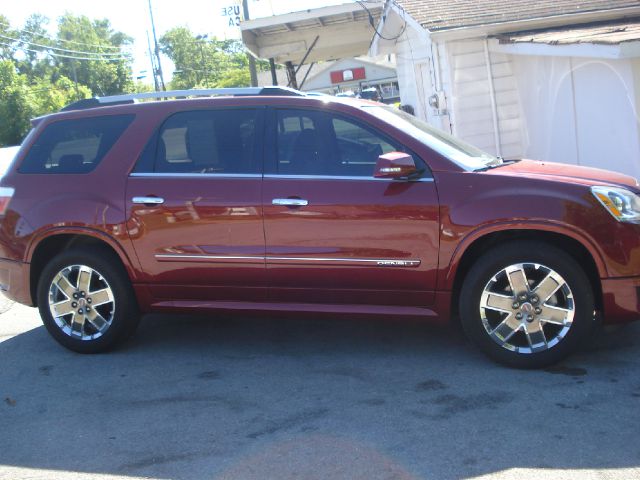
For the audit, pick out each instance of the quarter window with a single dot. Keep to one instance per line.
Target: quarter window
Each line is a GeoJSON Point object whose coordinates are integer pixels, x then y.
{"type": "Point", "coordinates": [74, 146]}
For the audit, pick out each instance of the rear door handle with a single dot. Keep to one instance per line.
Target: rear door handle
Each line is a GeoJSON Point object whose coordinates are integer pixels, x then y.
{"type": "Point", "coordinates": [290, 202]}
{"type": "Point", "coordinates": [148, 200]}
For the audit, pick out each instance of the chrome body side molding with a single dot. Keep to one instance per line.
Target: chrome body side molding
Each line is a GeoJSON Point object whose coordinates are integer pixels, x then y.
{"type": "Point", "coordinates": [377, 262]}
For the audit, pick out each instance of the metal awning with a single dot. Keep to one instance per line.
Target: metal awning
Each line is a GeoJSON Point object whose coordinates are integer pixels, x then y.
{"type": "Point", "coordinates": [319, 34]}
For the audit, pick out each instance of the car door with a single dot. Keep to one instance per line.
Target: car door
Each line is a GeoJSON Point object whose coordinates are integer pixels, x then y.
{"type": "Point", "coordinates": [194, 207]}
{"type": "Point", "coordinates": [336, 234]}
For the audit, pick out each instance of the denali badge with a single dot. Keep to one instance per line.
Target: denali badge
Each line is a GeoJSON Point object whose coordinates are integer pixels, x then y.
{"type": "Point", "coordinates": [398, 263]}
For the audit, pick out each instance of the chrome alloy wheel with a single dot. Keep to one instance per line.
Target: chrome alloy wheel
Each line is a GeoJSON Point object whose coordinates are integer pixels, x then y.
{"type": "Point", "coordinates": [81, 302]}
{"type": "Point", "coordinates": [527, 308]}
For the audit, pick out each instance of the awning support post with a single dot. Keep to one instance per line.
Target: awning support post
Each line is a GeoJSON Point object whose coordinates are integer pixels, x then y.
{"type": "Point", "coordinates": [291, 75]}
{"type": "Point", "coordinates": [274, 77]}
{"type": "Point", "coordinates": [307, 74]}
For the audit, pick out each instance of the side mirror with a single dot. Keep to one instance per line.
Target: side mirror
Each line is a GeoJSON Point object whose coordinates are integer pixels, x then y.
{"type": "Point", "coordinates": [395, 165]}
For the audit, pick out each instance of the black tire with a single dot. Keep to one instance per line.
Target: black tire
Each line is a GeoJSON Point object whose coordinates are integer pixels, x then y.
{"type": "Point", "coordinates": [487, 272]}
{"type": "Point", "coordinates": [122, 313]}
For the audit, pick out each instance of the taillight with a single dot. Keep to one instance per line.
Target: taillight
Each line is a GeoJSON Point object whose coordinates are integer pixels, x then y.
{"type": "Point", "coordinates": [5, 197]}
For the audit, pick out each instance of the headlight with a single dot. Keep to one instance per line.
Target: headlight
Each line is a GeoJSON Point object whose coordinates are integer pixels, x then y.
{"type": "Point", "coordinates": [623, 204]}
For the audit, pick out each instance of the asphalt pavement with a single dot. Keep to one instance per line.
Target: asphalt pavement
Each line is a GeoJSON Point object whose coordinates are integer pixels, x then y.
{"type": "Point", "coordinates": [310, 398]}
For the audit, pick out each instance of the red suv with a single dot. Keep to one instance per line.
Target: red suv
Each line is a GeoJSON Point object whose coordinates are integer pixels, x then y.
{"type": "Point", "coordinates": [269, 200]}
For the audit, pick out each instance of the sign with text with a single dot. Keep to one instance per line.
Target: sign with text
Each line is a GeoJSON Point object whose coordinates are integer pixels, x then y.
{"type": "Point", "coordinates": [229, 16]}
{"type": "Point", "coordinates": [231, 13]}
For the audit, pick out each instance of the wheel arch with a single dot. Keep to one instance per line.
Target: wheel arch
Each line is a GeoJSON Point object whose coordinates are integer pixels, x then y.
{"type": "Point", "coordinates": [465, 256]}
{"type": "Point", "coordinates": [55, 241]}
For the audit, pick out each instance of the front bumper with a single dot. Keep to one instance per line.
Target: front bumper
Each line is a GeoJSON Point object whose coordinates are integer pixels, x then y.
{"type": "Point", "coordinates": [14, 281]}
{"type": "Point", "coordinates": [620, 299]}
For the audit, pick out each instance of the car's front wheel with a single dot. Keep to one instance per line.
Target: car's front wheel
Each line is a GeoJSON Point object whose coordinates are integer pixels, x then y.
{"type": "Point", "coordinates": [86, 300]}
{"type": "Point", "coordinates": [527, 304]}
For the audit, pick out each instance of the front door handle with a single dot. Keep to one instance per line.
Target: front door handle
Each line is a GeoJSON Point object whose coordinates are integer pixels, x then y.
{"type": "Point", "coordinates": [290, 202]}
{"type": "Point", "coordinates": [148, 200]}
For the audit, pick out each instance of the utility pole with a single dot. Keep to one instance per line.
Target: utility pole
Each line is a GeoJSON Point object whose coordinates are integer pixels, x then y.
{"type": "Point", "coordinates": [155, 42]}
{"type": "Point", "coordinates": [252, 61]}
{"type": "Point", "coordinates": [201, 40]}
{"type": "Point", "coordinates": [153, 65]}
{"type": "Point", "coordinates": [75, 78]}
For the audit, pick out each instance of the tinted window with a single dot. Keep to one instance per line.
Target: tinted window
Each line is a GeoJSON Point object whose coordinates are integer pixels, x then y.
{"type": "Point", "coordinates": [358, 149]}
{"type": "Point", "coordinates": [298, 143]}
{"type": "Point", "coordinates": [74, 146]}
{"type": "Point", "coordinates": [204, 141]}
{"type": "Point", "coordinates": [317, 143]}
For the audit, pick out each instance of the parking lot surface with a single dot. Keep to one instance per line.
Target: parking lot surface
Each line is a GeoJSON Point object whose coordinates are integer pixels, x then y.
{"type": "Point", "coordinates": [310, 398]}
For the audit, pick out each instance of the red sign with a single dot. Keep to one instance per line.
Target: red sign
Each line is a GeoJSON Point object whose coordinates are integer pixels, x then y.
{"type": "Point", "coordinates": [339, 76]}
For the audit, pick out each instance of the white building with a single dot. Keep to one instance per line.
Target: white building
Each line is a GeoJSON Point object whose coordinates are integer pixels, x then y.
{"type": "Point", "coordinates": [557, 81]}
{"type": "Point", "coordinates": [323, 47]}
{"type": "Point", "coordinates": [347, 74]}
{"type": "Point", "coordinates": [353, 74]}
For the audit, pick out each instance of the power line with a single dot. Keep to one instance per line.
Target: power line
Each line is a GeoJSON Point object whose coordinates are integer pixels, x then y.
{"type": "Point", "coordinates": [372, 22]}
{"type": "Point", "coordinates": [193, 70]}
{"type": "Point", "coordinates": [42, 35]}
{"type": "Point", "coordinates": [64, 50]}
{"type": "Point", "coordinates": [57, 55]}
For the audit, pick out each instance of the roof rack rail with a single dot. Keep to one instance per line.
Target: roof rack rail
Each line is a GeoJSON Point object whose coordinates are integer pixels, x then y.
{"type": "Point", "coordinates": [209, 92]}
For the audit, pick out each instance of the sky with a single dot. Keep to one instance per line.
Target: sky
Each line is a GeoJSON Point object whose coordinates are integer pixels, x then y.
{"type": "Point", "coordinates": [132, 17]}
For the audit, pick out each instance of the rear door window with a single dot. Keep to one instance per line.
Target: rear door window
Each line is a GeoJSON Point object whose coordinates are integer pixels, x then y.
{"type": "Point", "coordinates": [299, 143]}
{"type": "Point", "coordinates": [74, 146]}
{"type": "Point", "coordinates": [204, 142]}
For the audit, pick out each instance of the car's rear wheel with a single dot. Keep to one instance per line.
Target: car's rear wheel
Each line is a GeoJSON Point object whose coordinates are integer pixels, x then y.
{"type": "Point", "coordinates": [86, 301]}
{"type": "Point", "coordinates": [527, 304]}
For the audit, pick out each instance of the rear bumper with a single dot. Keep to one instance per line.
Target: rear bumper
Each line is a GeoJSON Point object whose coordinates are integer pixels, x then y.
{"type": "Point", "coordinates": [621, 300]}
{"type": "Point", "coordinates": [14, 281]}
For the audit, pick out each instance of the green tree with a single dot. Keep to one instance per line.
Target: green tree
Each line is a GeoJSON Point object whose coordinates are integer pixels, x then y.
{"type": "Point", "coordinates": [21, 100]}
{"type": "Point", "coordinates": [7, 49]}
{"type": "Point", "coordinates": [203, 62]}
{"type": "Point", "coordinates": [51, 96]}
{"type": "Point", "coordinates": [110, 72]}
{"type": "Point", "coordinates": [141, 87]}
{"type": "Point", "coordinates": [33, 41]}
{"type": "Point", "coordinates": [16, 109]}
{"type": "Point", "coordinates": [87, 51]}
{"type": "Point", "coordinates": [40, 74]}
{"type": "Point", "coordinates": [235, 77]}
{"type": "Point", "coordinates": [198, 61]}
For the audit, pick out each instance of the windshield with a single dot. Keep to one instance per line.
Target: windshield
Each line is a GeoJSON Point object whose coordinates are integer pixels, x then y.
{"type": "Point", "coordinates": [463, 154]}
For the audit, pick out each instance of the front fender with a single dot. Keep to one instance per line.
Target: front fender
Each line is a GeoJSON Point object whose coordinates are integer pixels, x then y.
{"type": "Point", "coordinates": [474, 205]}
{"type": "Point", "coordinates": [539, 226]}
